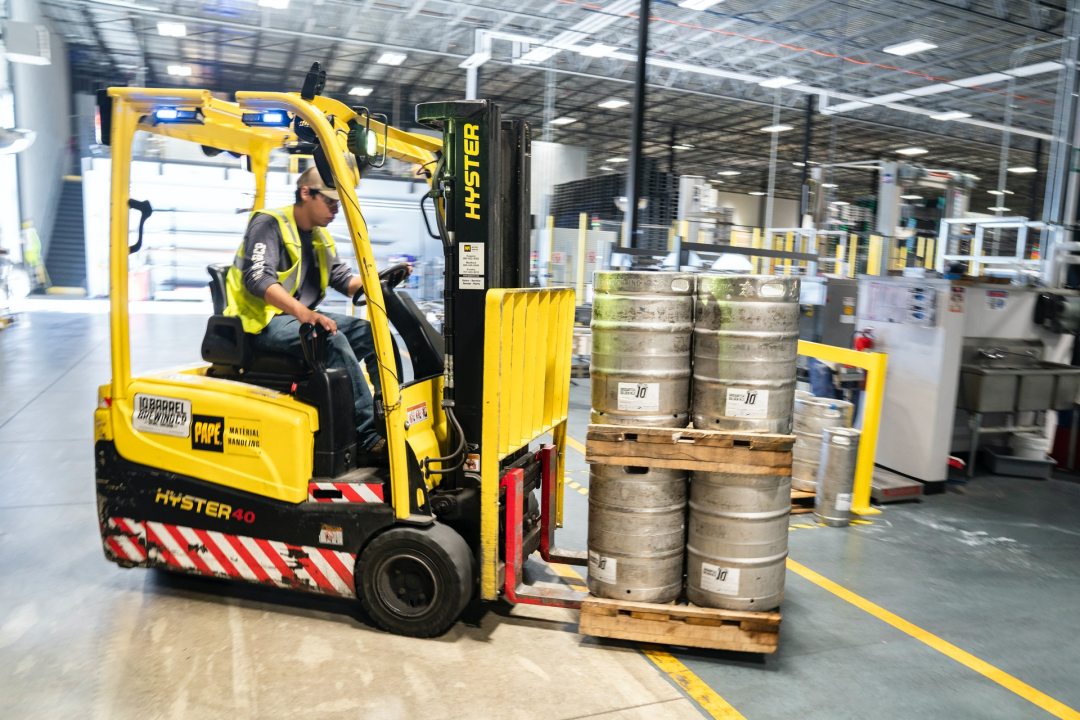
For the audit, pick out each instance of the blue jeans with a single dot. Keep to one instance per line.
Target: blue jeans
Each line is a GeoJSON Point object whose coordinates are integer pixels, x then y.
{"type": "Point", "coordinates": [352, 343]}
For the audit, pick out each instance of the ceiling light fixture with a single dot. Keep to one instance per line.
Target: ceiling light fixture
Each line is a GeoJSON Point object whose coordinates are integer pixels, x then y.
{"type": "Point", "coordinates": [1001, 192]}
{"type": "Point", "coordinates": [912, 151]}
{"type": "Point", "coordinates": [392, 58]}
{"type": "Point", "coordinates": [779, 82]}
{"type": "Point", "coordinates": [910, 47]}
{"type": "Point", "coordinates": [839, 202]}
{"type": "Point", "coordinates": [171, 29]}
{"type": "Point", "coordinates": [999, 208]}
{"type": "Point", "coordinates": [563, 120]}
{"type": "Point", "coordinates": [1023, 170]}
{"type": "Point", "coordinates": [597, 50]}
{"type": "Point", "coordinates": [951, 115]}
{"type": "Point", "coordinates": [799, 164]}
{"type": "Point", "coordinates": [682, 146]}
{"type": "Point", "coordinates": [605, 167]}
{"type": "Point", "coordinates": [616, 160]}
{"type": "Point", "coordinates": [757, 192]}
{"type": "Point", "coordinates": [776, 128]}
{"type": "Point", "coordinates": [911, 197]}
{"type": "Point", "coordinates": [828, 185]}
{"type": "Point", "coordinates": [699, 4]}
{"type": "Point", "coordinates": [180, 70]}
{"type": "Point", "coordinates": [729, 172]}
{"type": "Point", "coordinates": [361, 91]}
{"type": "Point", "coordinates": [613, 103]}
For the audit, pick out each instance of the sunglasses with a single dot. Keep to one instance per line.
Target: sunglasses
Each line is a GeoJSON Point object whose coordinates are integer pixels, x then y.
{"type": "Point", "coordinates": [330, 203]}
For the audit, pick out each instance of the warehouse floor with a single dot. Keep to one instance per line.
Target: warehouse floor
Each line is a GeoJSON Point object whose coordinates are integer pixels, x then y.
{"type": "Point", "coordinates": [962, 606]}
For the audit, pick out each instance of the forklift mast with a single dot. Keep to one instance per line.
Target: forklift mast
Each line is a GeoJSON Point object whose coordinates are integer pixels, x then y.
{"type": "Point", "coordinates": [483, 181]}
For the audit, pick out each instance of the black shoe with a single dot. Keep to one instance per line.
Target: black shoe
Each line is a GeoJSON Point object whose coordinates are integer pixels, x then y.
{"type": "Point", "coordinates": [378, 455]}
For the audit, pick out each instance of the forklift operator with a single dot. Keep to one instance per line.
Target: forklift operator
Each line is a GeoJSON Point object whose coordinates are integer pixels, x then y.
{"type": "Point", "coordinates": [280, 275]}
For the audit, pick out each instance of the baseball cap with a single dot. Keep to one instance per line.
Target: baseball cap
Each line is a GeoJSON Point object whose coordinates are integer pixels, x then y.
{"type": "Point", "coordinates": [311, 179]}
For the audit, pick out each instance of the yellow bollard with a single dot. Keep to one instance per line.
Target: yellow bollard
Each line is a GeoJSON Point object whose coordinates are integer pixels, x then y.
{"type": "Point", "coordinates": [853, 250]}
{"type": "Point", "coordinates": [873, 265]}
{"type": "Point", "coordinates": [788, 247]}
{"type": "Point", "coordinates": [755, 242]}
{"type": "Point", "coordinates": [583, 229]}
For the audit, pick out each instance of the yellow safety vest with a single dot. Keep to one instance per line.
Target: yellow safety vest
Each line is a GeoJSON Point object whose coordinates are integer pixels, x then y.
{"type": "Point", "coordinates": [255, 313]}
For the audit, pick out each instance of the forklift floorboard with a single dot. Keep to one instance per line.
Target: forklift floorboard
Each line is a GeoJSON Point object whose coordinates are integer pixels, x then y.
{"type": "Point", "coordinates": [991, 568]}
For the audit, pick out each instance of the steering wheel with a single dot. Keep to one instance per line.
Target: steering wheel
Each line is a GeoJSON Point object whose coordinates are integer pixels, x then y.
{"type": "Point", "coordinates": [389, 278]}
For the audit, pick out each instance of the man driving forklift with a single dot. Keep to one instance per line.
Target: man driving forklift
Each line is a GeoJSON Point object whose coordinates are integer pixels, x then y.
{"type": "Point", "coordinates": [280, 275]}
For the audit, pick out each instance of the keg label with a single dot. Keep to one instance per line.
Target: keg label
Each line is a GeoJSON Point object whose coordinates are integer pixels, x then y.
{"type": "Point", "coordinates": [744, 403]}
{"type": "Point", "coordinates": [602, 568]}
{"type": "Point", "coordinates": [843, 502]}
{"type": "Point", "coordinates": [639, 396]}
{"type": "Point", "coordinates": [720, 580]}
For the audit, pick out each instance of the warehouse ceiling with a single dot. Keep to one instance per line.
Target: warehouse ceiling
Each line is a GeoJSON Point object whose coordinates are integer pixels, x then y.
{"type": "Point", "coordinates": [994, 60]}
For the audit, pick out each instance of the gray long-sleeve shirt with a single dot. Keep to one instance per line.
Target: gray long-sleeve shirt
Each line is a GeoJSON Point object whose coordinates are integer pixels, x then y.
{"type": "Point", "coordinates": [264, 249]}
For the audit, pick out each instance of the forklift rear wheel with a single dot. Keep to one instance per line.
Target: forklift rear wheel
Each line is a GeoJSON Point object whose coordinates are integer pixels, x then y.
{"type": "Point", "coordinates": [416, 580]}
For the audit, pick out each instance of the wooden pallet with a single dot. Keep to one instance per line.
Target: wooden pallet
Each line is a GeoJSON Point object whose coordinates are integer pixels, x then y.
{"type": "Point", "coordinates": [802, 502]}
{"type": "Point", "coordinates": [687, 625]}
{"type": "Point", "coordinates": [688, 449]}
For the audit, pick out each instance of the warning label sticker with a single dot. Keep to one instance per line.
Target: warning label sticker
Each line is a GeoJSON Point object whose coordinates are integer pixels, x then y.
{"type": "Point", "coordinates": [843, 502]}
{"type": "Point", "coordinates": [329, 535]}
{"type": "Point", "coordinates": [639, 396]}
{"type": "Point", "coordinates": [744, 403]}
{"type": "Point", "coordinates": [720, 580]}
{"type": "Point", "coordinates": [415, 414]}
{"type": "Point", "coordinates": [161, 415]}
{"type": "Point", "coordinates": [604, 569]}
{"type": "Point", "coordinates": [472, 462]}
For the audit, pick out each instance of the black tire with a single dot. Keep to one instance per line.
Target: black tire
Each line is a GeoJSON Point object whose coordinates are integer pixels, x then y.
{"type": "Point", "coordinates": [416, 580]}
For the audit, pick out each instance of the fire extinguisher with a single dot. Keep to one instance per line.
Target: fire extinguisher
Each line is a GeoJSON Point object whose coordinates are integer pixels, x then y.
{"type": "Point", "coordinates": [864, 340]}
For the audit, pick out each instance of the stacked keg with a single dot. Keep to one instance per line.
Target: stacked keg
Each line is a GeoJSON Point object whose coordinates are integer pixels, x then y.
{"type": "Point", "coordinates": [642, 330]}
{"type": "Point", "coordinates": [812, 416]}
{"type": "Point", "coordinates": [746, 335]}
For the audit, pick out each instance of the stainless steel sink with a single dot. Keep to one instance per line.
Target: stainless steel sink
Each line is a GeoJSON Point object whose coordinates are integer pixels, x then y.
{"type": "Point", "coordinates": [1012, 384]}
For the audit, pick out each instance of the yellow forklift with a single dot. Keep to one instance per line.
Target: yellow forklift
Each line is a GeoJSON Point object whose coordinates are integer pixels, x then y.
{"type": "Point", "coordinates": [245, 467]}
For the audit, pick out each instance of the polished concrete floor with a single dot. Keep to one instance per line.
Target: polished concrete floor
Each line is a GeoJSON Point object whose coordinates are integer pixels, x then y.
{"type": "Point", "coordinates": [992, 568]}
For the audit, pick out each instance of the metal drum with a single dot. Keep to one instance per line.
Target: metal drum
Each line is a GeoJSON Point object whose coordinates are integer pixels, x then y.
{"type": "Point", "coordinates": [746, 338]}
{"type": "Point", "coordinates": [812, 415]}
{"type": "Point", "coordinates": [642, 326]}
{"type": "Point", "coordinates": [637, 532]}
{"type": "Point", "coordinates": [738, 540]}
{"type": "Point", "coordinates": [836, 476]}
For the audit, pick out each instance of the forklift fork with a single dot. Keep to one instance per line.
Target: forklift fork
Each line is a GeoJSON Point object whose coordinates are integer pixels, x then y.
{"type": "Point", "coordinates": [515, 590]}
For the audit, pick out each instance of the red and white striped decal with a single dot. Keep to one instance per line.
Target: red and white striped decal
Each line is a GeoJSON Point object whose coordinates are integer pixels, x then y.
{"type": "Point", "coordinates": [350, 492]}
{"type": "Point", "coordinates": [124, 539]}
{"type": "Point", "coordinates": [208, 552]}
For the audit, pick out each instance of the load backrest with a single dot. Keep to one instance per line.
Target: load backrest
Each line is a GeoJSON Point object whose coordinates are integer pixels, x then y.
{"type": "Point", "coordinates": [218, 274]}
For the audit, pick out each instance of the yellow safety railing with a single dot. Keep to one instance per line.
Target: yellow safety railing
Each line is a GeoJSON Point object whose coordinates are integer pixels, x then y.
{"type": "Point", "coordinates": [527, 341]}
{"type": "Point", "coordinates": [874, 365]}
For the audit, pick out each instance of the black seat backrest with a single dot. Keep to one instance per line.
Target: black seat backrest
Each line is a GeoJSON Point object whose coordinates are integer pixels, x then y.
{"type": "Point", "coordinates": [424, 342]}
{"type": "Point", "coordinates": [218, 274]}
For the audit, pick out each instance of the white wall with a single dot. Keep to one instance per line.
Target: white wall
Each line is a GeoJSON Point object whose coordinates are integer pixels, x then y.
{"type": "Point", "coordinates": [553, 164]}
{"type": "Point", "coordinates": [42, 104]}
{"type": "Point", "coordinates": [749, 210]}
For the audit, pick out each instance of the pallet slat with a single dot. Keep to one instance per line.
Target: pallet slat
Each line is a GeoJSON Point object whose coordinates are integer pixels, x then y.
{"type": "Point", "coordinates": [689, 449]}
{"type": "Point", "coordinates": [687, 625]}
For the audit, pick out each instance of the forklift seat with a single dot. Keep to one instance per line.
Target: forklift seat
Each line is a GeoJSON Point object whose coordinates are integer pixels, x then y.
{"type": "Point", "coordinates": [230, 350]}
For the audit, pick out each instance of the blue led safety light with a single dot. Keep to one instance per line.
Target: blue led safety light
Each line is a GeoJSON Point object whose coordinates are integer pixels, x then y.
{"type": "Point", "coordinates": [175, 115]}
{"type": "Point", "coordinates": [272, 118]}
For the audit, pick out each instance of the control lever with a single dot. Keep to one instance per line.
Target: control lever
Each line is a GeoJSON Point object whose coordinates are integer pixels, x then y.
{"type": "Point", "coordinates": [315, 344]}
{"type": "Point", "coordinates": [143, 206]}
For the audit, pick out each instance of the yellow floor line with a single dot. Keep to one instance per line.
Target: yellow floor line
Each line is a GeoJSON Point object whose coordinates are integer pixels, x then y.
{"type": "Point", "coordinates": [566, 572]}
{"type": "Point", "coordinates": [1002, 678]}
{"type": "Point", "coordinates": [694, 686]}
{"type": "Point", "coordinates": [575, 444]}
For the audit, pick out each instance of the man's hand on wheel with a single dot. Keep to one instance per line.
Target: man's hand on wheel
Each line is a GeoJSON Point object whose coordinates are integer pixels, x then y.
{"type": "Point", "coordinates": [318, 320]}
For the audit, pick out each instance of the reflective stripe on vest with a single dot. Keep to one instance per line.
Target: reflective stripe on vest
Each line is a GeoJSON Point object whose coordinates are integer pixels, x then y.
{"type": "Point", "coordinates": [255, 313]}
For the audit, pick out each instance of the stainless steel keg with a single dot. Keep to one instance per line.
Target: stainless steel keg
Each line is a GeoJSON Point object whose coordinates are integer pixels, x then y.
{"type": "Point", "coordinates": [738, 540]}
{"type": "Point", "coordinates": [812, 415]}
{"type": "Point", "coordinates": [637, 532]}
{"type": "Point", "coordinates": [642, 325]}
{"type": "Point", "coordinates": [836, 476]}
{"type": "Point", "coordinates": [746, 336]}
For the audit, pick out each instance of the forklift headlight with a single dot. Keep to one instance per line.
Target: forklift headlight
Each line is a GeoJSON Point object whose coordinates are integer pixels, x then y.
{"type": "Point", "coordinates": [272, 118]}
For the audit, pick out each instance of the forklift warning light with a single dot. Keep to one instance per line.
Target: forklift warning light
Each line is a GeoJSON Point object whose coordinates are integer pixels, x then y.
{"type": "Point", "coordinates": [175, 115]}
{"type": "Point", "coordinates": [273, 118]}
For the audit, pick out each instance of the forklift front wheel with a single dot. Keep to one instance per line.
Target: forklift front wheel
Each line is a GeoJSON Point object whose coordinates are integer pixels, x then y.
{"type": "Point", "coordinates": [416, 580]}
